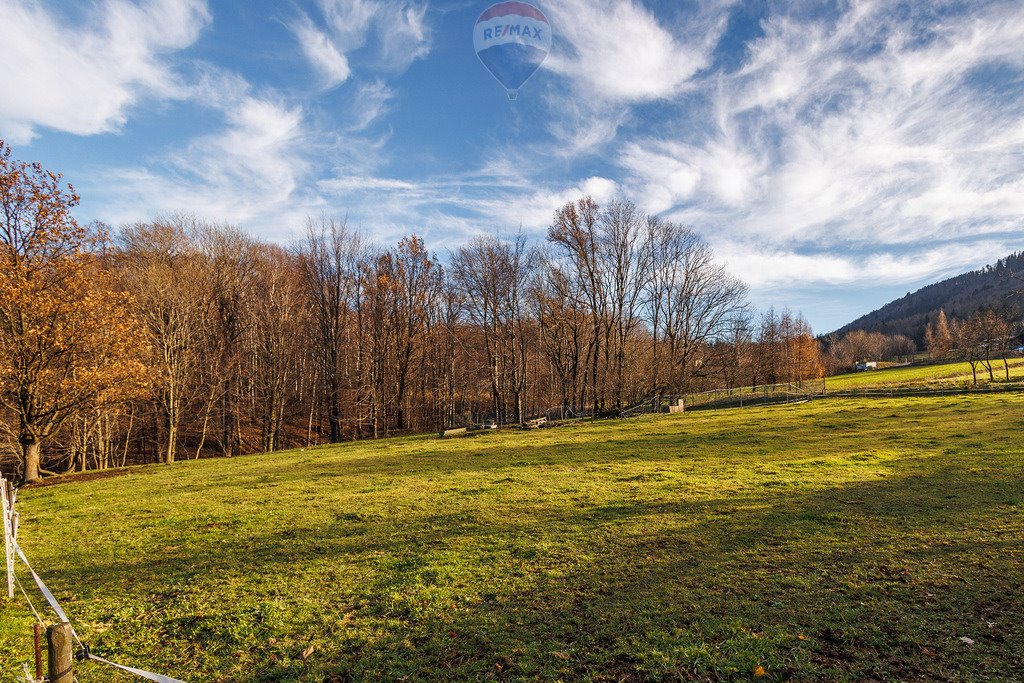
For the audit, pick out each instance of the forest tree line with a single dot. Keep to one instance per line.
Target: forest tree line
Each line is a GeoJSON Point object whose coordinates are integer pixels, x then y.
{"type": "Point", "coordinates": [178, 338]}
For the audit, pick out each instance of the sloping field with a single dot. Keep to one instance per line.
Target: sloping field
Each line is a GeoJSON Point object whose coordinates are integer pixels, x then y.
{"type": "Point", "coordinates": [916, 375]}
{"type": "Point", "coordinates": [842, 539]}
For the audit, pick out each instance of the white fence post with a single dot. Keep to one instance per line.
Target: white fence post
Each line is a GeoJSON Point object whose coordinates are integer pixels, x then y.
{"type": "Point", "coordinates": [7, 505]}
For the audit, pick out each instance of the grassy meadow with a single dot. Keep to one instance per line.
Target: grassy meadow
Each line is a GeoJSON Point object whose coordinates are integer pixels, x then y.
{"type": "Point", "coordinates": [841, 540]}
{"type": "Point", "coordinates": [938, 376]}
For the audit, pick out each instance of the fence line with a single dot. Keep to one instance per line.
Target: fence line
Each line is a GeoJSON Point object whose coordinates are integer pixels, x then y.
{"type": "Point", "coordinates": [794, 393]}
{"type": "Point", "coordinates": [660, 403]}
{"type": "Point", "coordinates": [8, 495]}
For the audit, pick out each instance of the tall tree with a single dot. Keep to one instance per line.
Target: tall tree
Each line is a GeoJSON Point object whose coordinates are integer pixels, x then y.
{"type": "Point", "coordinates": [938, 337]}
{"type": "Point", "coordinates": [694, 299]}
{"type": "Point", "coordinates": [624, 233]}
{"type": "Point", "coordinates": [418, 278]}
{"type": "Point", "coordinates": [574, 236]}
{"type": "Point", "coordinates": [232, 278]}
{"type": "Point", "coordinates": [275, 342]}
{"type": "Point", "coordinates": [967, 340]}
{"type": "Point", "coordinates": [329, 261]}
{"type": "Point", "coordinates": [494, 275]}
{"type": "Point", "coordinates": [69, 342]}
{"type": "Point", "coordinates": [161, 266]}
{"type": "Point", "coordinates": [562, 330]}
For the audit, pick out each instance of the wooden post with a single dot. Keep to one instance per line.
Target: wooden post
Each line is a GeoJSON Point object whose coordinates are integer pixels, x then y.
{"type": "Point", "coordinates": [37, 637]}
{"type": "Point", "coordinates": [58, 642]}
{"type": "Point", "coordinates": [7, 510]}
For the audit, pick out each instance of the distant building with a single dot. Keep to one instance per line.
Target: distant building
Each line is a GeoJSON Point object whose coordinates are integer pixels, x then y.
{"type": "Point", "coordinates": [867, 365]}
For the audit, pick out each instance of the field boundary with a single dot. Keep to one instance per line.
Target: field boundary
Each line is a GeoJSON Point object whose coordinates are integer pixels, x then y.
{"type": "Point", "coordinates": [774, 394]}
{"type": "Point", "coordinates": [8, 498]}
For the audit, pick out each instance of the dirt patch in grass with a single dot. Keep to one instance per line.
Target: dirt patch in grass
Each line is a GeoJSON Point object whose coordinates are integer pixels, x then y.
{"type": "Point", "coordinates": [91, 475]}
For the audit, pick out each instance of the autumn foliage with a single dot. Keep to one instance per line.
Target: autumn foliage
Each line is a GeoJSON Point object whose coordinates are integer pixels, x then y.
{"type": "Point", "coordinates": [181, 338]}
{"type": "Point", "coordinates": [69, 342]}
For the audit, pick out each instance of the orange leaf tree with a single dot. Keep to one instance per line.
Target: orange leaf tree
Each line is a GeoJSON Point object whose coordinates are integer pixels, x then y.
{"type": "Point", "coordinates": [69, 341]}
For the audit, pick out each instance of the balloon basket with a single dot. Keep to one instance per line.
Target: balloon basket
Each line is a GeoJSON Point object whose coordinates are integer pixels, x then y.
{"type": "Point", "coordinates": [513, 95]}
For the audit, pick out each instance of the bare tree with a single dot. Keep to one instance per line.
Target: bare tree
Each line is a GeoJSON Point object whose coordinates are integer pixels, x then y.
{"type": "Point", "coordinates": [493, 275]}
{"type": "Point", "coordinates": [231, 273]}
{"type": "Point", "coordinates": [279, 314]}
{"type": "Point", "coordinates": [694, 299]}
{"type": "Point", "coordinates": [993, 337]}
{"type": "Point", "coordinates": [160, 265]}
{"type": "Point", "coordinates": [329, 262]}
{"type": "Point", "coordinates": [623, 236]}
{"type": "Point", "coordinates": [562, 331]}
{"type": "Point", "coordinates": [573, 233]}
{"type": "Point", "coordinates": [967, 341]}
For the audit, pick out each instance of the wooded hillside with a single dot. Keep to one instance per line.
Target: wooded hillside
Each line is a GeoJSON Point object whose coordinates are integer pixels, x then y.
{"type": "Point", "coordinates": [994, 286]}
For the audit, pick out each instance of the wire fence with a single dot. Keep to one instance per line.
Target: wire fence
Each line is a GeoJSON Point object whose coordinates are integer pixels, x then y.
{"type": "Point", "coordinates": [13, 552]}
{"type": "Point", "coordinates": [797, 393]}
{"type": "Point", "coordinates": [739, 396]}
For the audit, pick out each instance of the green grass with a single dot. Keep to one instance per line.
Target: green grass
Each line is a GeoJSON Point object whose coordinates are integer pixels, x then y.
{"type": "Point", "coordinates": [843, 539]}
{"type": "Point", "coordinates": [914, 375]}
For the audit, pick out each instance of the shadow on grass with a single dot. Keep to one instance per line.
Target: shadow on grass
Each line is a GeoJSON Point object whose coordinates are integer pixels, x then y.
{"type": "Point", "coordinates": [872, 579]}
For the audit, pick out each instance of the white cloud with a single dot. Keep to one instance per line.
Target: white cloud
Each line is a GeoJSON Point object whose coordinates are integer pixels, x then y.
{"type": "Point", "coordinates": [829, 281]}
{"type": "Point", "coordinates": [329, 62]}
{"type": "Point", "coordinates": [405, 36]}
{"type": "Point", "coordinates": [582, 126]}
{"type": "Point", "coordinates": [616, 54]}
{"type": "Point", "coordinates": [369, 103]}
{"type": "Point", "coordinates": [879, 146]}
{"type": "Point", "coordinates": [457, 207]}
{"type": "Point", "coordinates": [857, 132]}
{"type": "Point", "coordinates": [85, 78]}
{"type": "Point", "coordinates": [535, 211]}
{"type": "Point", "coordinates": [249, 173]}
{"type": "Point", "coordinates": [617, 50]}
{"type": "Point", "coordinates": [774, 269]}
{"type": "Point", "coordinates": [662, 177]}
{"type": "Point", "coordinates": [394, 31]}
{"type": "Point", "coordinates": [345, 184]}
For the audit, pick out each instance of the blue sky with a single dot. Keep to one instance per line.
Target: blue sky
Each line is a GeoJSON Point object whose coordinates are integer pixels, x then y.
{"type": "Point", "coordinates": [835, 155]}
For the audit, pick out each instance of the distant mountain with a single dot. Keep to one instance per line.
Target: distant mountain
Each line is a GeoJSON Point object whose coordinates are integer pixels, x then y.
{"type": "Point", "coordinates": [992, 286]}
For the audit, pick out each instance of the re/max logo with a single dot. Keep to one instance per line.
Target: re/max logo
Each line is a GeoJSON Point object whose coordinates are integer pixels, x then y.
{"type": "Point", "coordinates": [512, 30]}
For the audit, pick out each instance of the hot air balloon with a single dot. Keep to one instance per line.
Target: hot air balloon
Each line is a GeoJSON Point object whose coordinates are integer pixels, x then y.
{"type": "Point", "coordinates": [512, 39]}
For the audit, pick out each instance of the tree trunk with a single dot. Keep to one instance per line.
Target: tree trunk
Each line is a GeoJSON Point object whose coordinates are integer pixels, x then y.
{"type": "Point", "coordinates": [172, 442]}
{"type": "Point", "coordinates": [30, 453]}
{"type": "Point", "coordinates": [334, 406]}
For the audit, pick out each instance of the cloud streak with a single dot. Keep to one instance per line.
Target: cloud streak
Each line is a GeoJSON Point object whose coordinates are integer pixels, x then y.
{"type": "Point", "coordinates": [874, 132]}
{"type": "Point", "coordinates": [247, 173]}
